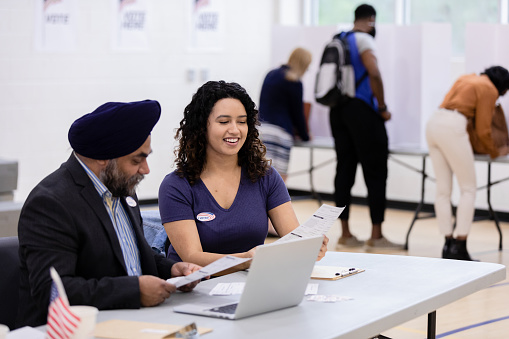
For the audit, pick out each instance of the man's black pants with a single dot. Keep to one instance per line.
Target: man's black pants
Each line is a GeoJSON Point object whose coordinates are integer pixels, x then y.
{"type": "Point", "coordinates": [360, 137]}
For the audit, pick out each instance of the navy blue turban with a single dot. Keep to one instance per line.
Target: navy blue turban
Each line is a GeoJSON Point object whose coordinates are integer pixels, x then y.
{"type": "Point", "coordinates": [114, 129]}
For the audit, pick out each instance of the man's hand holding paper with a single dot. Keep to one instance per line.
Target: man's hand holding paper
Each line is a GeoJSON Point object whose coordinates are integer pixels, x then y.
{"type": "Point", "coordinates": [154, 290]}
{"type": "Point", "coordinates": [183, 269]}
{"type": "Point", "coordinates": [205, 272]}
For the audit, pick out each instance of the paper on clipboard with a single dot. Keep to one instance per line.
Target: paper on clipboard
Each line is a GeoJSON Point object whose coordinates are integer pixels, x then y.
{"type": "Point", "coordinates": [318, 224]}
{"type": "Point", "coordinates": [333, 272]}
{"type": "Point", "coordinates": [212, 268]}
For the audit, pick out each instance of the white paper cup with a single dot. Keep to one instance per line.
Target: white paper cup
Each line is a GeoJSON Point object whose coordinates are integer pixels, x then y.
{"type": "Point", "coordinates": [88, 315]}
{"type": "Point", "coordinates": [3, 331]}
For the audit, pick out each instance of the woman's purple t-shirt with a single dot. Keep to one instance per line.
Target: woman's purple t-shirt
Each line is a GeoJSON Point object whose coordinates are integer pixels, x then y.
{"type": "Point", "coordinates": [237, 229]}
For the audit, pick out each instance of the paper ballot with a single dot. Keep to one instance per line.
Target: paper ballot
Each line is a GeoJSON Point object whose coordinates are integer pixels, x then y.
{"type": "Point", "coordinates": [318, 224]}
{"type": "Point", "coordinates": [212, 268]}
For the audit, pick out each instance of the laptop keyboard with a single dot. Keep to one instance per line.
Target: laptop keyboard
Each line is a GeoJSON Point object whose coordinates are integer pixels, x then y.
{"type": "Point", "coordinates": [228, 309]}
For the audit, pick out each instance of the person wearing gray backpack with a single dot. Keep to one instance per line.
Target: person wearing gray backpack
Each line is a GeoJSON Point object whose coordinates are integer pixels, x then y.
{"type": "Point", "coordinates": [358, 127]}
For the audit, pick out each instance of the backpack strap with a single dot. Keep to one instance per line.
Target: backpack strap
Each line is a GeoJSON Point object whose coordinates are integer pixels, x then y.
{"type": "Point", "coordinates": [344, 35]}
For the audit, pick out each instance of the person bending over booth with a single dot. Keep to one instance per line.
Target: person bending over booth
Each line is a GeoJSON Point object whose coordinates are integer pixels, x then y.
{"type": "Point", "coordinates": [472, 96]}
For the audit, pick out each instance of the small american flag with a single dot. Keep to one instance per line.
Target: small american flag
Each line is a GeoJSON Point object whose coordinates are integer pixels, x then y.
{"type": "Point", "coordinates": [62, 322]}
{"type": "Point", "coordinates": [124, 3]}
{"type": "Point", "coordinates": [200, 3]}
{"type": "Point", "coordinates": [48, 3]}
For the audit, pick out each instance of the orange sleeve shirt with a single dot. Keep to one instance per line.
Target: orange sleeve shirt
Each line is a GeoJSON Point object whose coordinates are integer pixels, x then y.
{"type": "Point", "coordinates": [475, 96]}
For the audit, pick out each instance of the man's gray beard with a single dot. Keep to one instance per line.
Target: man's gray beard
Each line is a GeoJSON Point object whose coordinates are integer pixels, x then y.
{"type": "Point", "coordinates": [117, 181]}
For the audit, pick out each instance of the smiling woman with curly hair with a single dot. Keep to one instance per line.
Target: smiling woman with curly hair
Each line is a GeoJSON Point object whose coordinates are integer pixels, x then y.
{"type": "Point", "coordinates": [219, 199]}
{"type": "Point", "coordinates": [192, 134]}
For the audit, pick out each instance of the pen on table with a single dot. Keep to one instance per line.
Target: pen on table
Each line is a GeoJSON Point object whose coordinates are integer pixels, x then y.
{"type": "Point", "coordinates": [350, 271]}
{"type": "Point", "coordinates": [344, 273]}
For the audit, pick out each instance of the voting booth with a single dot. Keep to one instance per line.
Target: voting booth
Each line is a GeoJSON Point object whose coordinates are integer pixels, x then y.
{"type": "Point", "coordinates": [415, 62]}
{"type": "Point", "coordinates": [415, 65]}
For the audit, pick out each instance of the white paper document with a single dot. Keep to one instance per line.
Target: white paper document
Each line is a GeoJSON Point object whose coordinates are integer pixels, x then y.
{"type": "Point", "coordinates": [238, 287]}
{"type": "Point", "coordinates": [227, 289]}
{"type": "Point", "coordinates": [212, 268]}
{"type": "Point", "coordinates": [328, 298]}
{"type": "Point", "coordinates": [318, 224]}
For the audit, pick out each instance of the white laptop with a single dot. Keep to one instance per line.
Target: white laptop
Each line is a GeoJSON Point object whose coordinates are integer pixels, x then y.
{"type": "Point", "coordinates": [277, 278]}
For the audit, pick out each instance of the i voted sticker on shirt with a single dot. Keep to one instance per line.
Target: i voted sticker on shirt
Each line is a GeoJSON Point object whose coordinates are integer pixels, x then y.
{"type": "Point", "coordinates": [205, 216]}
{"type": "Point", "coordinates": [130, 201]}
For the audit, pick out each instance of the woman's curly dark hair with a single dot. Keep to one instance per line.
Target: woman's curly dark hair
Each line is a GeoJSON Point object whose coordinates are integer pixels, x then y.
{"type": "Point", "coordinates": [499, 76]}
{"type": "Point", "coordinates": [192, 134]}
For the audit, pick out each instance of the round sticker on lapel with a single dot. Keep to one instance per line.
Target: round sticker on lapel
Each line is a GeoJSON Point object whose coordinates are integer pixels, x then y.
{"type": "Point", "coordinates": [130, 201]}
{"type": "Point", "coordinates": [206, 216]}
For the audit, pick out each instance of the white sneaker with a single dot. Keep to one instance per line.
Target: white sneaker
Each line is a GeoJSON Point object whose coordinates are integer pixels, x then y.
{"type": "Point", "coordinates": [349, 242]}
{"type": "Point", "coordinates": [382, 243]}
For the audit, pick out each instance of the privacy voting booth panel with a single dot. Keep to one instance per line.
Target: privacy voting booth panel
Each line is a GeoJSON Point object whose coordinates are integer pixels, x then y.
{"type": "Point", "coordinates": [414, 62]}
{"type": "Point", "coordinates": [485, 46]}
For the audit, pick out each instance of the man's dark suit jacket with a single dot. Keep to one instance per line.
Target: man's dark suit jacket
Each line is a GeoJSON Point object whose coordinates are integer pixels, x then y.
{"type": "Point", "coordinates": [64, 224]}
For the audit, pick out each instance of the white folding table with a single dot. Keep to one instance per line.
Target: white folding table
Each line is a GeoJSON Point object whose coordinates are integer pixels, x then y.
{"type": "Point", "coordinates": [392, 290]}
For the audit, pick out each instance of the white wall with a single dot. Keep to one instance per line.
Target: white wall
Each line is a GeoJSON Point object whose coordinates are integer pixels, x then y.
{"type": "Point", "coordinates": [41, 94]}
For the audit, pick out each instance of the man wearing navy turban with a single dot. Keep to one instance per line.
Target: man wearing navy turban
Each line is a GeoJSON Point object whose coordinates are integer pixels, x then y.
{"type": "Point", "coordinates": [84, 220]}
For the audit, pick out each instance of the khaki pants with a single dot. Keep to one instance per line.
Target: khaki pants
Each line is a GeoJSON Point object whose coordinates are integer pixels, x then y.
{"type": "Point", "coordinates": [451, 153]}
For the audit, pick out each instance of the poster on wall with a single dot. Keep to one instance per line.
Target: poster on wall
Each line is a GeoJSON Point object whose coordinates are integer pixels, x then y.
{"type": "Point", "coordinates": [55, 25]}
{"type": "Point", "coordinates": [130, 25]}
{"type": "Point", "coordinates": [207, 25]}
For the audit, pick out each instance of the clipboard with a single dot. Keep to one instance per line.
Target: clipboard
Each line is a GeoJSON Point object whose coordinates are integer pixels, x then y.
{"type": "Point", "coordinates": [124, 329]}
{"type": "Point", "coordinates": [334, 272]}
